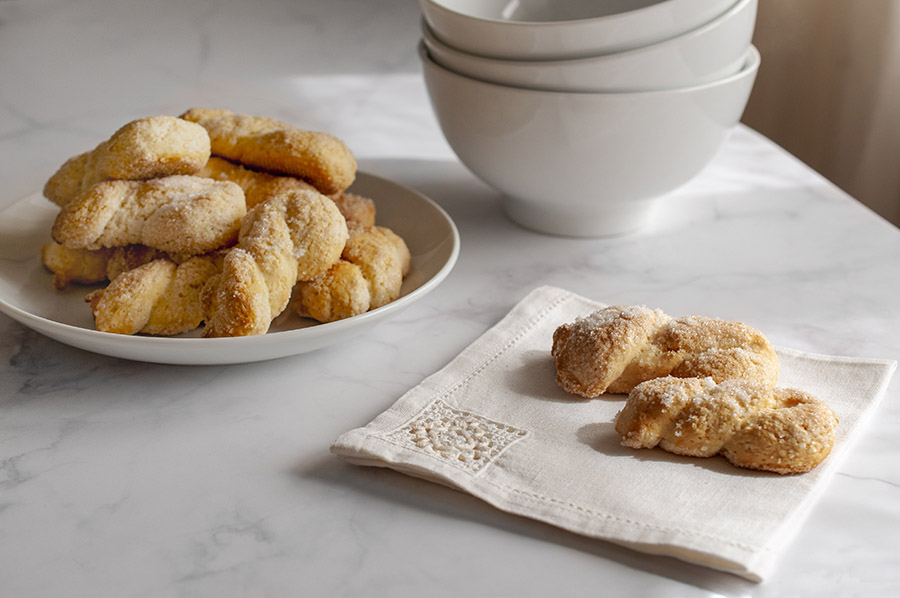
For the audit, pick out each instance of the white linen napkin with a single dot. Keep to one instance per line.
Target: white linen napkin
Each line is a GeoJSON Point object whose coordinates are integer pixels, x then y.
{"type": "Point", "coordinates": [495, 424]}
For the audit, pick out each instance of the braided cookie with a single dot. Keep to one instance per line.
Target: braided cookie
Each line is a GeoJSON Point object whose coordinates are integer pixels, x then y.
{"type": "Point", "coordinates": [340, 293]}
{"type": "Point", "coordinates": [89, 266]}
{"type": "Point", "coordinates": [71, 265]}
{"type": "Point", "coordinates": [369, 275]}
{"type": "Point", "coordinates": [177, 214]}
{"type": "Point", "coordinates": [616, 348]}
{"type": "Point", "coordinates": [147, 148]}
{"type": "Point", "coordinates": [383, 258]}
{"type": "Point", "coordinates": [159, 298]}
{"type": "Point", "coordinates": [358, 211]}
{"type": "Point", "coordinates": [749, 423]}
{"type": "Point", "coordinates": [258, 186]}
{"type": "Point", "coordinates": [297, 235]}
{"type": "Point", "coordinates": [278, 147]}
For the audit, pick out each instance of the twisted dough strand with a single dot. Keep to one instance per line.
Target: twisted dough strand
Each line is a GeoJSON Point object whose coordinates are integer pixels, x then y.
{"type": "Point", "coordinates": [369, 274]}
{"type": "Point", "coordinates": [146, 148]}
{"type": "Point", "coordinates": [178, 214]}
{"type": "Point", "coordinates": [751, 424]}
{"type": "Point", "coordinates": [89, 266]}
{"type": "Point", "coordinates": [75, 265]}
{"type": "Point", "coordinates": [296, 235]}
{"type": "Point", "coordinates": [278, 147]}
{"type": "Point", "coordinates": [618, 347]}
{"type": "Point", "coordinates": [259, 186]}
{"type": "Point", "coordinates": [158, 298]}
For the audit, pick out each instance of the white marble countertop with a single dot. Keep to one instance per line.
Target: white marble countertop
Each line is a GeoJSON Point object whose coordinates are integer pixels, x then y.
{"type": "Point", "coordinates": [121, 478]}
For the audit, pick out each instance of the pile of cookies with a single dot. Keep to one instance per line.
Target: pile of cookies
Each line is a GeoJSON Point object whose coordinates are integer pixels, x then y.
{"type": "Point", "coordinates": [219, 220]}
{"type": "Point", "coordinates": [696, 386]}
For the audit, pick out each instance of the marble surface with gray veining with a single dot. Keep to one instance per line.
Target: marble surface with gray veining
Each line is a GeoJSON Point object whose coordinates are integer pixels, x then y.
{"type": "Point", "coordinates": [128, 479]}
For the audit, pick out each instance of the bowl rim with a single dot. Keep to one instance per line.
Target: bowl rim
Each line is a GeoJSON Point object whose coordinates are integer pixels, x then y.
{"type": "Point", "coordinates": [613, 18]}
{"type": "Point", "coordinates": [431, 37]}
{"type": "Point", "coordinates": [752, 62]}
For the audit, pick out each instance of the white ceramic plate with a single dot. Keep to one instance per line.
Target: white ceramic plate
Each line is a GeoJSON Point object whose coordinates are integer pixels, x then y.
{"type": "Point", "coordinates": [27, 294]}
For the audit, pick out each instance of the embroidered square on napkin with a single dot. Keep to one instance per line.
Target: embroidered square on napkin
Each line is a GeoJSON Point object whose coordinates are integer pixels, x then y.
{"type": "Point", "coordinates": [495, 424]}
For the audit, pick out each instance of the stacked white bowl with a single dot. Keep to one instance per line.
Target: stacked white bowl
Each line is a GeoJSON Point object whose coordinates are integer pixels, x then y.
{"type": "Point", "coordinates": [584, 113]}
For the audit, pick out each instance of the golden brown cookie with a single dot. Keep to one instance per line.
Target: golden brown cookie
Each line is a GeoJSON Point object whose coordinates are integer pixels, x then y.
{"type": "Point", "coordinates": [369, 275]}
{"type": "Point", "coordinates": [297, 235]}
{"type": "Point", "coordinates": [279, 148]}
{"type": "Point", "coordinates": [258, 186]}
{"type": "Point", "coordinates": [90, 266]}
{"type": "Point", "coordinates": [750, 423]}
{"type": "Point", "coordinates": [146, 148]}
{"type": "Point", "coordinates": [157, 298]}
{"type": "Point", "coordinates": [340, 293]}
{"type": "Point", "coordinates": [70, 265]}
{"type": "Point", "coordinates": [383, 258]}
{"type": "Point", "coordinates": [358, 211]}
{"type": "Point", "coordinates": [618, 347]}
{"type": "Point", "coordinates": [178, 214]}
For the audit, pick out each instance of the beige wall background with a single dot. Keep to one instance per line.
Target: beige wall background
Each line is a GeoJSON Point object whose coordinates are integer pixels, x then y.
{"type": "Point", "coordinates": [828, 91]}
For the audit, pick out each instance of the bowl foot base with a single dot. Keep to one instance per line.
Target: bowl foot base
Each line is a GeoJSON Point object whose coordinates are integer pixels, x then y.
{"type": "Point", "coordinates": [607, 220]}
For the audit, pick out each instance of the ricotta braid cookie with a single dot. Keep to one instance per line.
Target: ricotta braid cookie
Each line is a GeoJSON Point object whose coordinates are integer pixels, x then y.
{"type": "Point", "coordinates": [616, 348]}
{"type": "Point", "coordinates": [368, 275]}
{"type": "Point", "coordinates": [267, 144]}
{"type": "Point", "coordinates": [74, 265]}
{"type": "Point", "coordinates": [358, 211]}
{"type": "Point", "coordinates": [89, 266]}
{"type": "Point", "coordinates": [157, 298]}
{"type": "Point", "coordinates": [296, 235]}
{"type": "Point", "coordinates": [751, 424]}
{"type": "Point", "coordinates": [383, 258]}
{"type": "Point", "coordinates": [178, 214]}
{"type": "Point", "coordinates": [146, 148]}
{"type": "Point", "coordinates": [258, 186]}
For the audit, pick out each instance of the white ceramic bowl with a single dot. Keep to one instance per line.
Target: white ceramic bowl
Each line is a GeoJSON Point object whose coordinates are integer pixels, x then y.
{"type": "Point", "coordinates": [585, 164]}
{"type": "Point", "coordinates": [561, 29]}
{"type": "Point", "coordinates": [710, 52]}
